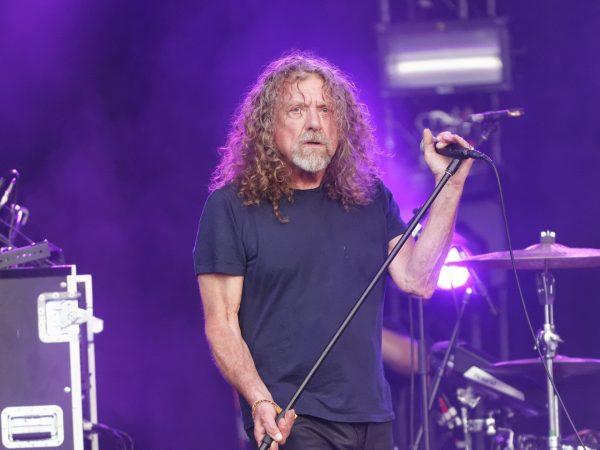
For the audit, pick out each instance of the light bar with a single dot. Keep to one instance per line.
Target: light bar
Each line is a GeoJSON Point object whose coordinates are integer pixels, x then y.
{"type": "Point", "coordinates": [426, 66]}
{"type": "Point", "coordinates": [444, 57]}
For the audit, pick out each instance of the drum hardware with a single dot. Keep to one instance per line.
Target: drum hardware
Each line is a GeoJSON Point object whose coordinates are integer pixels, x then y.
{"type": "Point", "coordinates": [533, 442]}
{"type": "Point", "coordinates": [469, 379]}
{"type": "Point", "coordinates": [548, 341]}
{"type": "Point", "coordinates": [469, 402]}
{"type": "Point", "coordinates": [494, 423]}
{"type": "Point", "coordinates": [448, 417]}
{"type": "Point", "coordinates": [470, 367]}
{"type": "Point", "coordinates": [591, 439]}
{"type": "Point", "coordinates": [487, 425]}
{"type": "Point", "coordinates": [542, 257]}
{"type": "Point", "coordinates": [503, 438]}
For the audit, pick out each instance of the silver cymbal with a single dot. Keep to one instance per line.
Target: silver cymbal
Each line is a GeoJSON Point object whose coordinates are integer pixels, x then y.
{"type": "Point", "coordinates": [536, 257]}
{"type": "Point", "coordinates": [564, 367]}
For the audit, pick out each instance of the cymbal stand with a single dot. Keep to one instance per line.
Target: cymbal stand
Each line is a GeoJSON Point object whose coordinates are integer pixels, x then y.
{"type": "Point", "coordinates": [548, 342]}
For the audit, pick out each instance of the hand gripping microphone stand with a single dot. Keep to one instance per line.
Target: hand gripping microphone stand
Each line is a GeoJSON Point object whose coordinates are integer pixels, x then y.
{"type": "Point", "coordinates": [450, 170]}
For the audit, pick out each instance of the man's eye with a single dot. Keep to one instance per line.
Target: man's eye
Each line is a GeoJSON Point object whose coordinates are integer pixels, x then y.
{"type": "Point", "coordinates": [325, 109]}
{"type": "Point", "coordinates": [295, 111]}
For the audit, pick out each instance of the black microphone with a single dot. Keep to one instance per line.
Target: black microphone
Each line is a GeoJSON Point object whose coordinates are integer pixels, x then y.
{"type": "Point", "coordinates": [456, 151]}
{"type": "Point", "coordinates": [490, 116]}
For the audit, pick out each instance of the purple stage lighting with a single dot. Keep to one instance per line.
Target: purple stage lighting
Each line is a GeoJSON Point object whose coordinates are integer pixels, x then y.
{"type": "Point", "coordinates": [453, 277]}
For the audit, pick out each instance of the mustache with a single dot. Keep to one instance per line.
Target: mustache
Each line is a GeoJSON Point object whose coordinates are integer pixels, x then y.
{"type": "Point", "coordinates": [313, 137]}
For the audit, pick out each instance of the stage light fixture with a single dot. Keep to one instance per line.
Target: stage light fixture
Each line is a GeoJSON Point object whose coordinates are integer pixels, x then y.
{"type": "Point", "coordinates": [452, 277]}
{"type": "Point", "coordinates": [444, 57]}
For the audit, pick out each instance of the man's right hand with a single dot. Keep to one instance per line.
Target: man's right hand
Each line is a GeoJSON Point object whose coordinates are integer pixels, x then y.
{"type": "Point", "coordinates": [264, 423]}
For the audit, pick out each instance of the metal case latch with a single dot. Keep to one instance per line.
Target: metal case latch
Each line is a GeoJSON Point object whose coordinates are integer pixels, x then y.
{"type": "Point", "coordinates": [32, 426]}
{"type": "Point", "coordinates": [59, 317]}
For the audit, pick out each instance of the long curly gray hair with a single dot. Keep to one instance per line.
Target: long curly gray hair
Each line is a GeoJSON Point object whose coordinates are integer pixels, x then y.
{"type": "Point", "coordinates": [250, 161]}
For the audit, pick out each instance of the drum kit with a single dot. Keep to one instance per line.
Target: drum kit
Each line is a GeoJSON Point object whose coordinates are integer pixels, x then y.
{"type": "Point", "coordinates": [484, 378]}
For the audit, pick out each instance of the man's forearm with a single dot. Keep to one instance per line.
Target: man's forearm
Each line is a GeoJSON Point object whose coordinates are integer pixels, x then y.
{"type": "Point", "coordinates": [430, 249]}
{"type": "Point", "coordinates": [235, 361]}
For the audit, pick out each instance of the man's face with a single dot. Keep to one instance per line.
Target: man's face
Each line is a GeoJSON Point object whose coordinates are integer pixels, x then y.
{"type": "Point", "coordinates": [305, 129]}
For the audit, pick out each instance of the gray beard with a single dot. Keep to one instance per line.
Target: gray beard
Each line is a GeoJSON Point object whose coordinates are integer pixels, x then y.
{"type": "Point", "coordinates": [310, 161]}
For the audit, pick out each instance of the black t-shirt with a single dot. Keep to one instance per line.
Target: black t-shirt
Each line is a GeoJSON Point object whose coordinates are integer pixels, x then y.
{"type": "Point", "coordinates": [300, 280]}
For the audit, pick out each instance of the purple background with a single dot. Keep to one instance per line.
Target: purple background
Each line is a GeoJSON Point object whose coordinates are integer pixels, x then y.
{"type": "Point", "coordinates": [113, 111]}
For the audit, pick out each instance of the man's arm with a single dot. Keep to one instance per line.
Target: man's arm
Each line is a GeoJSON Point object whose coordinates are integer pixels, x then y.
{"type": "Point", "coordinates": [221, 297]}
{"type": "Point", "coordinates": [417, 266]}
{"type": "Point", "coordinates": [396, 352]}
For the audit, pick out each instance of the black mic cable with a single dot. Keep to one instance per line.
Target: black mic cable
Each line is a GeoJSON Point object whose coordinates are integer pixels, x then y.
{"type": "Point", "coordinates": [524, 305]}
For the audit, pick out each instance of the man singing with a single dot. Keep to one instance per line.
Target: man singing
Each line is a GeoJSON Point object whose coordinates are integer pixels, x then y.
{"type": "Point", "coordinates": [297, 224]}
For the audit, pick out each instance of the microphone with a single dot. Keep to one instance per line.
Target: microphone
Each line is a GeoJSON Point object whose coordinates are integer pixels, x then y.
{"type": "Point", "coordinates": [490, 116]}
{"type": "Point", "coordinates": [457, 152]}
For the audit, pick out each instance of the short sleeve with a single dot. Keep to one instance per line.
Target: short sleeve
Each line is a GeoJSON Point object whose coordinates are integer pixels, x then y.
{"type": "Point", "coordinates": [394, 224]}
{"type": "Point", "coordinates": [219, 245]}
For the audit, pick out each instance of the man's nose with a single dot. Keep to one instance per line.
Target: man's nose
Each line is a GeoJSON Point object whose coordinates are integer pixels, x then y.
{"type": "Point", "coordinates": [313, 119]}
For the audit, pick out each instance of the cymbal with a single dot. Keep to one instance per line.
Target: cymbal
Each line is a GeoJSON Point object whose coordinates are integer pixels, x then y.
{"type": "Point", "coordinates": [536, 257]}
{"type": "Point", "coordinates": [564, 367]}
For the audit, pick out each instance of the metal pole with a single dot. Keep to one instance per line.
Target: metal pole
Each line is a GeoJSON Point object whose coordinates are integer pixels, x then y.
{"type": "Point", "coordinates": [423, 377]}
{"type": "Point", "coordinates": [548, 342]}
{"type": "Point", "coordinates": [442, 369]}
{"type": "Point", "coordinates": [553, 416]}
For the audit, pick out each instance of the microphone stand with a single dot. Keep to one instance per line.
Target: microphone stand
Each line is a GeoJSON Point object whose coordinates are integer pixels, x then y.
{"type": "Point", "coordinates": [450, 170]}
{"type": "Point", "coordinates": [427, 399]}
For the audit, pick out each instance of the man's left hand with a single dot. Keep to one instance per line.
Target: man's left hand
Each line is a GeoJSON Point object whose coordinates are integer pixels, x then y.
{"type": "Point", "coordinates": [438, 163]}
